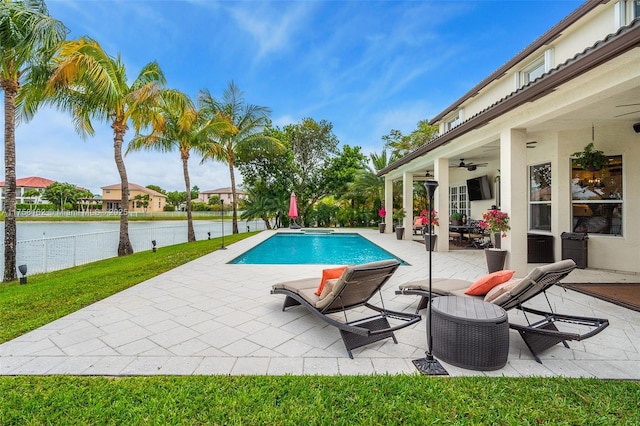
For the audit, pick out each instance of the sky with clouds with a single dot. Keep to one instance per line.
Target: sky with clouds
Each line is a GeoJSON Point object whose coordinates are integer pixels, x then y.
{"type": "Point", "coordinates": [365, 66]}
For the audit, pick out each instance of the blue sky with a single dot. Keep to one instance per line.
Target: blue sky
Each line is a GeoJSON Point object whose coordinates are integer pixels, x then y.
{"type": "Point", "coordinates": [365, 66]}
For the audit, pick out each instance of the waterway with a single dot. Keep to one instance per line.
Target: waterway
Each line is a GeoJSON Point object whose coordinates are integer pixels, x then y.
{"type": "Point", "coordinates": [51, 246]}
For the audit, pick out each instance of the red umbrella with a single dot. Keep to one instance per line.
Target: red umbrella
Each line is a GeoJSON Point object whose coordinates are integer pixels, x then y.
{"type": "Point", "coordinates": [293, 211]}
{"type": "Point", "coordinates": [293, 207]}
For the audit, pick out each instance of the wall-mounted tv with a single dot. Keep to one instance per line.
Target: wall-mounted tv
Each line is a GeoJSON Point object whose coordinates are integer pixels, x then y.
{"type": "Point", "coordinates": [479, 188]}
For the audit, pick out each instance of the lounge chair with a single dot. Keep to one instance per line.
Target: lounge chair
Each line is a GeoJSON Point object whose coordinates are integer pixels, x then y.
{"type": "Point", "coordinates": [355, 287]}
{"type": "Point", "coordinates": [418, 226]}
{"type": "Point", "coordinates": [538, 335]}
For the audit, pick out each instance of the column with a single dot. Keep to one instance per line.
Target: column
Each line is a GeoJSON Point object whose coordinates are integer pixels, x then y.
{"type": "Point", "coordinates": [441, 202]}
{"type": "Point", "coordinates": [388, 204]}
{"type": "Point", "coordinates": [513, 184]}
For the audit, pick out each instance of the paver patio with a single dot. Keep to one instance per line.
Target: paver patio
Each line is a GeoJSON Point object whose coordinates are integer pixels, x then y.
{"type": "Point", "coordinates": [211, 317]}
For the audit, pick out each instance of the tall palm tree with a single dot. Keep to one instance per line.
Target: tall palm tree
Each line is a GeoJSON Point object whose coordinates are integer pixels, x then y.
{"type": "Point", "coordinates": [183, 129]}
{"type": "Point", "coordinates": [28, 39]}
{"type": "Point", "coordinates": [244, 134]}
{"type": "Point", "coordinates": [91, 84]}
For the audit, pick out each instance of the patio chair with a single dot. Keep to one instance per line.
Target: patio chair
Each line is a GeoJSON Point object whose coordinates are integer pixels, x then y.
{"type": "Point", "coordinates": [538, 335]}
{"type": "Point", "coordinates": [355, 287]}
{"type": "Point", "coordinates": [418, 226]}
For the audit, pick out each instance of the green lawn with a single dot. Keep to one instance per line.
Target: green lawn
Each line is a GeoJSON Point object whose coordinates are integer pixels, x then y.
{"type": "Point", "coordinates": [253, 400]}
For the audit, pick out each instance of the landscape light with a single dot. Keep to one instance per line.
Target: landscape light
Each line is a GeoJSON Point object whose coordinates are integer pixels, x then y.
{"type": "Point", "coordinates": [23, 271]}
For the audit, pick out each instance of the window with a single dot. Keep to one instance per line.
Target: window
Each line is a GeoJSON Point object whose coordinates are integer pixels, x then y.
{"type": "Point", "coordinates": [635, 9]}
{"type": "Point", "coordinates": [532, 71]}
{"type": "Point", "coordinates": [453, 121]}
{"type": "Point", "coordinates": [459, 200]}
{"type": "Point", "coordinates": [540, 197]}
{"type": "Point", "coordinates": [597, 198]}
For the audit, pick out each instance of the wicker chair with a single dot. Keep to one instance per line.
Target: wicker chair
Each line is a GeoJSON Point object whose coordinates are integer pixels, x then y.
{"type": "Point", "coordinates": [357, 285]}
{"type": "Point", "coordinates": [538, 335]}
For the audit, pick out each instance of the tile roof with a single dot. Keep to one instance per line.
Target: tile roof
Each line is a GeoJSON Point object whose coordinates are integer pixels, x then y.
{"type": "Point", "coordinates": [32, 182]}
{"type": "Point", "coordinates": [136, 187]}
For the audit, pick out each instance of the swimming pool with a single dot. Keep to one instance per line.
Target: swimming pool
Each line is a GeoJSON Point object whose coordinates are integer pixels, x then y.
{"type": "Point", "coordinates": [320, 249]}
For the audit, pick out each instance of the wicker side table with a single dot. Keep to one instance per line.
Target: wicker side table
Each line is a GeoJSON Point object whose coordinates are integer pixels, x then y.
{"type": "Point", "coordinates": [470, 333]}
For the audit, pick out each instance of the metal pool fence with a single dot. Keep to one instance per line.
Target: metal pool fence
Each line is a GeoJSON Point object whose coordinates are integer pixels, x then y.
{"type": "Point", "coordinates": [49, 254]}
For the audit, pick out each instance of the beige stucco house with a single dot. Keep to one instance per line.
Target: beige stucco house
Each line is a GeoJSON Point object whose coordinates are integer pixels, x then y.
{"type": "Point", "coordinates": [112, 194]}
{"type": "Point", "coordinates": [222, 194]}
{"type": "Point", "coordinates": [578, 83]}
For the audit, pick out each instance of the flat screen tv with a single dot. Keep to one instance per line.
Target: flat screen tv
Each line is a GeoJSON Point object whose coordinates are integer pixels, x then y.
{"type": "Point", "coordinates": [479, 188]}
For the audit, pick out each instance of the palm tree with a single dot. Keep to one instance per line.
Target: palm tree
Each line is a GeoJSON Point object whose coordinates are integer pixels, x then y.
{"type": "Point", "coordinates": [28, 39]}
{"type": "Point", "coordinates": [183, 129]}
{"type": "Point", "coordinates": [243, 135]}
{"type": "Point", "coordinates": [91, 84]}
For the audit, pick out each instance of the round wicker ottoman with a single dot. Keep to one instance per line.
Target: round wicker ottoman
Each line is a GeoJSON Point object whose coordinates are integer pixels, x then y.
{"type": "Point", "coordinates": [470, 333]}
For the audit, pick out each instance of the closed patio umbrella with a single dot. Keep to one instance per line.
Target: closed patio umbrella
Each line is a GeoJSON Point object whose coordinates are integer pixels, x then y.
{"type": "Point", "coordinates": [293, 211]}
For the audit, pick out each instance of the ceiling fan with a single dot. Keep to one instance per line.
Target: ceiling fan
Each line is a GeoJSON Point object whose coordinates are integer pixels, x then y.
{"type": "Point", "coordinates": [469, 166]}
{"type": "Point", "coordinates": [625, 106]}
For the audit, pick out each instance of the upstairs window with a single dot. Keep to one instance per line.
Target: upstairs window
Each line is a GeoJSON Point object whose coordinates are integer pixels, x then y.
{"type": "Point", "coordinates": [532, 71]}
{"type": "Point", "coordinates": [453, 121]}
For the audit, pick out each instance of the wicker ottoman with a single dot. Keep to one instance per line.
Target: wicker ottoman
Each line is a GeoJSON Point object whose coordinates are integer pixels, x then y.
{"type": "Point", "coordinates": [470, 333]}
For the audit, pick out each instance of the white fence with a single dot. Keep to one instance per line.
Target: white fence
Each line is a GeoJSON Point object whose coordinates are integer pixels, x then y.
{"type": "Point", "coordinates": [49, 254]}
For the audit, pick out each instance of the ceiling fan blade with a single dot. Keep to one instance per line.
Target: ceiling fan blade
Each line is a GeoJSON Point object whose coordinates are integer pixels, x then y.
{"type": "Point", "coordinates": [628, 113]}
{"type": "Point", "coordinates": [626, 105]}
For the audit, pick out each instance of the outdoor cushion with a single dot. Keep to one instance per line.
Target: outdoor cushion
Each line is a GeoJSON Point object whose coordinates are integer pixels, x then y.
{"type": "Point", "coordinates": [501, 289]}
{"type": "Point", "coordinates": [486, 283]}
{"type": "Point", "coordinates": [328, 287]}
{"type": "Point", "coordinates": [328, 274]}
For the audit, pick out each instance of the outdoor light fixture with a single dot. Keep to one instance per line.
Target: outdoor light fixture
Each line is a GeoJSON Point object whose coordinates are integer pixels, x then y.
{"type": "Point", "coordinates": [153, 246]}
{"type": "Point", "coordinates": [23, 271]}
{"type": "Point", "coordinates": [222, 222]}
{"type": "Point", "coordinates": [208, 235]}
{"type": "Point", "coordinates": [429, 365]}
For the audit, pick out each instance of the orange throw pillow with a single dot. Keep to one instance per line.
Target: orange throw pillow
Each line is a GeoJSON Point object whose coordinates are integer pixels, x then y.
{"type": "Point", "coordinates": [486, 283]}
{"type": "Point", "coordinates": [328, 274]}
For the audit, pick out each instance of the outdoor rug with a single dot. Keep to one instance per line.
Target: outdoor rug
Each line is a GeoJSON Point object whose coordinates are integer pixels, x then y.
{"type": "Point", "coordinates": [622, 294]}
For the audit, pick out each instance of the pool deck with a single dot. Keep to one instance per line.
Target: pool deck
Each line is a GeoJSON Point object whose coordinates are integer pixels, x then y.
{"type": "Point", "coordinates": [210, 317]}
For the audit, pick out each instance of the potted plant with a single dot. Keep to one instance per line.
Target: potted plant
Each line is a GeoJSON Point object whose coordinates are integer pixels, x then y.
{"type": "Point", "coordinates": [456, 218]}
{"type": "Point", "coordinates": [429, 237]}
{"type": "Point", "coordinates": [497, 223]}
{"type": "Point", "coordinates": [382, 213]}
{"type": "Point", "coordinates": [399, 216]}
{"type": "Point", "coordinates": [590, 159]}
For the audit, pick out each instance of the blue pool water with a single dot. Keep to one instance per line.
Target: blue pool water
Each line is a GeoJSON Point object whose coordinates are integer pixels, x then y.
{"type": "Point", "coordinates": [321, 249]}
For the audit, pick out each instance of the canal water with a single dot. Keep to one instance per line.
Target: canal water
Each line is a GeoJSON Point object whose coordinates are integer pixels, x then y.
{"type": "Point", "coordinates": [51, 246]}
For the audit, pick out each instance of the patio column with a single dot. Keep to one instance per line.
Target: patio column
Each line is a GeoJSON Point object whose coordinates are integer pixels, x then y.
{"type": "Point", "coordinates": [441, 202]}
{"type": "Point", "coordinates": [388, 204]}
{"type": "Point", "coordinates": [513, 185]}
{"type": "Point", "coordinates": [407, 202]}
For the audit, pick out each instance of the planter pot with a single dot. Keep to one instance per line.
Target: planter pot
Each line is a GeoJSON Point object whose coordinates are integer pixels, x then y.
{"type": "Point", "coordinates": [495, 259]}
{"type": "Point", "coordinates": [496, 239]}
{"type": "Point", "coordinates": [456, 222]}
{"type": "Point", "coordinates": [400, 232]}
{"type": "Point", "coordinates": [382, 227]}
{"type": "Point", "coordinates": [430, 241]}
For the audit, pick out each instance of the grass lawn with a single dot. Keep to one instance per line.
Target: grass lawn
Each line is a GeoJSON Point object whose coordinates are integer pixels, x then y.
{"type": "Point", "coordinates": [251, 400]}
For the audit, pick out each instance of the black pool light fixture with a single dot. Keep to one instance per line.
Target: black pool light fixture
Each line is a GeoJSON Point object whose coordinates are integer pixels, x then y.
{"type": "Point", "coordinates": [23, 271]}
{"type": "Point", "coordinates": [429, 365]}
{"type": "Point", "coordinates": [153, 246]}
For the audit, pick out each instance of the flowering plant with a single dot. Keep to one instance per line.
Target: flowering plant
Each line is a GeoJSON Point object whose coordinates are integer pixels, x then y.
{"type": "Point", "coordinates": [495, 221]}
{"type": "Point", "coordinates": [399, 215]}
{"type": "Point", "coordinates": [424, 214]}
{"type": "Point", "coordinates": [382, 212]}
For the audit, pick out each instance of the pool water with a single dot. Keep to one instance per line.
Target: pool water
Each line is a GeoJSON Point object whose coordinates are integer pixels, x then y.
{"type": "Point", "coordinates": [321, 249]}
